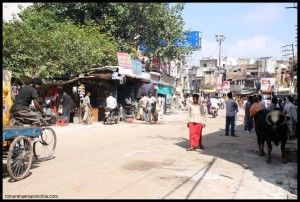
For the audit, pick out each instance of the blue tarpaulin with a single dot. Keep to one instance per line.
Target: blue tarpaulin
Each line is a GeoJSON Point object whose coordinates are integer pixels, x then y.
{"type": "Point", "coordinates": [165, 90]}
{"type": "Point", "coordinates": [145, 89]}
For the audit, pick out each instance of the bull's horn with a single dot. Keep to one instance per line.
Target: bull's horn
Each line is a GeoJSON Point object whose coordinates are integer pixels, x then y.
{"type": "Point", "coordinates": [268, 119]}
{"type": "Point", "coordinates": [284, 120]}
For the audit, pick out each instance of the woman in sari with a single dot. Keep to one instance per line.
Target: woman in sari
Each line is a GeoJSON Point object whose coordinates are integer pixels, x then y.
{"type": "Point", "coordinates": [196, 122]}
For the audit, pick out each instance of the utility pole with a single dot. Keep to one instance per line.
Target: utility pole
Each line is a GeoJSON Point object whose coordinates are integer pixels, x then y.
{"type": "Point", "coordinates": [220, 39]}
{"type": "Point", "coordinates": [296, 35]}
{"type": "Point", "coordinates": [291, 50]}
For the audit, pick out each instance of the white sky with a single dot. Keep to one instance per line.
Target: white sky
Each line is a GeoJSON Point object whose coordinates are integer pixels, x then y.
{"type": "Point", "coordinates": [10, 8]}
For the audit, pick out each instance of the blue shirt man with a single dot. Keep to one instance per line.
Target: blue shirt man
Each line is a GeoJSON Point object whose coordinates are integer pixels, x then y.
{"type": "Point", "coordinates": [231, 109]}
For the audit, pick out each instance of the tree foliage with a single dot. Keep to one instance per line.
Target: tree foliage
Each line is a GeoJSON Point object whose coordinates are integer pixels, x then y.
{"type": "Point", "coordinates": [40, 45]}
{"type": "Point", "coordinates": [130, 24]}
{"type": "Point", "coordinates": [56, 39]}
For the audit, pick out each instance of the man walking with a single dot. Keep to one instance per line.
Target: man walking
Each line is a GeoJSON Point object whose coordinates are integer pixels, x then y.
{"type": "Point", "coordinates": [248, 120]}
{"type": "Point", "coordinates": [87, 108]}
{"type": "Point", "coordinates": [67, 104]}
{"type": "Point", "coordinates": [291, 111]}
{"type": "Point", "coordinates": [231, 108]}
{"type": "Point", "coordinates": [143, 107]}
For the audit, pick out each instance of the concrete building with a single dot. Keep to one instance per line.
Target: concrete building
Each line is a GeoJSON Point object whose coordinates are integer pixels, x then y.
{"type": "Point", "coordinates": [209, 62]}
{"type": "Point", "coordinates": [243, 61]}
{"type": "Point", "coordinates": [266, 64]}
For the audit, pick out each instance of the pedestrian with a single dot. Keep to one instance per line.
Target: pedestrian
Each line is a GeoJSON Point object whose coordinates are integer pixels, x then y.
{"type": "Point", "coordinates": [280, 105]}
{"type": "Point", "coordinates": [67, 105]}
{"type": "Point", "coordinates": [143, 107]}
{"type": "Point", "coordinates": [261, 101]}
{"type": "Point", "coordinates": [151, 109]}
{"type": "Point", "coordinates": [274, 104]}
{"type": "Point", "coordinates": [231, 108]}
{"type": "Point", "coordinates": [236, 116]}
{"type": "Point", "coordinates": [196, 122]}
{"type": "Point", "coordinates": [291, 111]}
{"type": "Point", "coordinates": [255, 107]}
{"type": "Point", "coordinates": [87, 108]}
{"type": "Point", "coordinates": [248, 120]}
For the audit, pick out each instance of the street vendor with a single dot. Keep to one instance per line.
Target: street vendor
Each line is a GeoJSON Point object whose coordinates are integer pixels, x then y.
{"type": "Point", "coordinates": [21, 110]}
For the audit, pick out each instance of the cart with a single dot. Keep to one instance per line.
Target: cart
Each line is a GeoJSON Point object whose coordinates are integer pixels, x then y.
{"type": "Point", "coordinates": [20, 144]}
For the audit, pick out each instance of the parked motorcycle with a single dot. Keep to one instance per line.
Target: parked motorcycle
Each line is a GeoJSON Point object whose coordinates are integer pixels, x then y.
{"type": "Point", "coordinates": [111, 115]}
{"type": "Point", "coordinates": [129, 112]}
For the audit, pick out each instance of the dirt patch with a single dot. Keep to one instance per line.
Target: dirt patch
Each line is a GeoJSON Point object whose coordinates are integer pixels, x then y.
{"type": "Point", "coordinates": [146, 165]}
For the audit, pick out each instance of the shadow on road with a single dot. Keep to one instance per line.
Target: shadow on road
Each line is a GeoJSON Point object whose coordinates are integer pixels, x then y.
{"type": "Point", "coordinates": [5, 174]}
{"type": "Point", "coordinates": [243, 150]}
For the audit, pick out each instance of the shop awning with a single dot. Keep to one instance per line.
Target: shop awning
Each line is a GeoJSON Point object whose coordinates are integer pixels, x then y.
{"type": "Point", "coordinates": [165, 90]}
{"type": "Point", "coordinates": [209, 90]}
{"type": "Point", "coordinates": [145, 89]}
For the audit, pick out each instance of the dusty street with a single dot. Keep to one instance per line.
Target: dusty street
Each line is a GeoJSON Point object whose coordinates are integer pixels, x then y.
{"type": "Point", "coordinates": [150, 161]}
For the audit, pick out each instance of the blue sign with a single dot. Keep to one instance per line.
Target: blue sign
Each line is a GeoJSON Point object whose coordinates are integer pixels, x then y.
{"type": "Point", "coordinates": [191, 40]}
{"type": "Point", "coordinates": [163, 42]}
{"type": "Point", "coordinates": [143, 48]}
{"type": "Point", "coordinates": [136, 67]}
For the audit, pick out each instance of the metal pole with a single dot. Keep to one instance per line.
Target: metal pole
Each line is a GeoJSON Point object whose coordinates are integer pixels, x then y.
{"type": "Point", "coordinates": [219, 54]}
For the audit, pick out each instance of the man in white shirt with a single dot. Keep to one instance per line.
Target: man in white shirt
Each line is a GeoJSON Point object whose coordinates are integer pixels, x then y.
{"type": "Point", "coordinates": [143, 107]}
{"type": "Point", "coordinates": [111, 102]}
{"type": "Point", "coordinates": [151, 107]}
{"type": "Point", "coordinates": [214, 102]}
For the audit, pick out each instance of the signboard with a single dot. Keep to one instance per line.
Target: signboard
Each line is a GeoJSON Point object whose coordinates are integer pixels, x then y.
{"type": "Point", "coordinates": [143, 48]}
{"type": "Point", "coordinates": [226, 86]}
{"type": "Point", "coordinates": [267, 85]}
{"type": "Point", "coordinates": [136, 67]}
{"type": "Point", "coordinates": [167, 80]}
{"type": "Point", "coordinates": [219, 82]}
{"type": "Point", "coordinates": [191, 40]}
{"type": "Point", "coordinates": [124, 60]}
{"type": "Point", "coordinates": [155, 64]}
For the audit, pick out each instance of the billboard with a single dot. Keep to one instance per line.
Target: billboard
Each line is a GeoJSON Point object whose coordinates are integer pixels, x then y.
{"type": "Point", "coordinates": [137, 67]}
{"type": "Point", "coordinates": [267, 85]}
{"type": "Point", "coordinates": [124, 60]}
{"type": "Point", "coordinates": [191, 40]}
{"type": "Point", "coordinates": [226, 86]}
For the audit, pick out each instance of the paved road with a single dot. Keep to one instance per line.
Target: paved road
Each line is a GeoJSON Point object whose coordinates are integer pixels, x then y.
{"type": "Point", "coordinates": [149, 161]}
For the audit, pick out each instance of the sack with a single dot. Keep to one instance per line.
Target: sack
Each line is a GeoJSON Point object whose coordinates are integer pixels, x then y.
{"type": "Point", "coordinates": [60, 109]}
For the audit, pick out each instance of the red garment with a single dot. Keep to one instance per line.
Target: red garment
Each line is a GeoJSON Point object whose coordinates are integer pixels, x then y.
{"type": "Point", "coordinates": [195, 134]}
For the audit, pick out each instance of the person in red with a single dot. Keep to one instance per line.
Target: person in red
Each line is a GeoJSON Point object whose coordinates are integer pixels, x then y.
{"type": "Point", "coordinates": [196, 122]}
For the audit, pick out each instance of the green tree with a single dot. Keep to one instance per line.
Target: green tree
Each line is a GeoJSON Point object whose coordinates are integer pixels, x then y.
{"type": "Point", "coordinates": [130, 24]}
{"type": "Point", "coordinates": [40, 45]}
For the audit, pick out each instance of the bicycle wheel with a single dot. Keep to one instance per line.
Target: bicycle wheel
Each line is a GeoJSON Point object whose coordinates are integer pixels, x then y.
{"type": "Point", "coordinates": [19, 158]}
{"type": "Point", "coordinates": [45, 147]}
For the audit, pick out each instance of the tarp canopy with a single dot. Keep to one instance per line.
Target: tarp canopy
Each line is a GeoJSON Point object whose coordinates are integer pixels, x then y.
{"type": "Point", "coordinates": [145, 88]}
{"type": "Point", "coordinates": [165, 90]}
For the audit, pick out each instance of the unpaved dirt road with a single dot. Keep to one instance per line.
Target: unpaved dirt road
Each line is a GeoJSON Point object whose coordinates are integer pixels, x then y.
{"type": "Point", "coordinates": [150, 162]}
